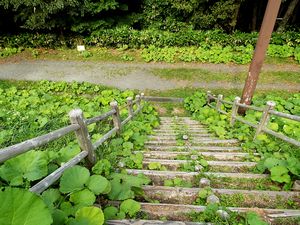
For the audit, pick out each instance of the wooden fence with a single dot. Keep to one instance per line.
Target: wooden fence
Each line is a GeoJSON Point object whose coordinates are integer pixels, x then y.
{"type": "Point", "coordinates": [263, 123]}
{"type": "Point", "coordinates": [79, 126]}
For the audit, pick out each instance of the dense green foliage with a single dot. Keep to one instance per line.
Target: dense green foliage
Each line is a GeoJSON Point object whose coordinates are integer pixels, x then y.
{"type": "Point", "coordinates": [37, 108]}
{"type": "Point", "coordinates": [87, 16]}
{"type": "Point", "coordinates": [278, 158]}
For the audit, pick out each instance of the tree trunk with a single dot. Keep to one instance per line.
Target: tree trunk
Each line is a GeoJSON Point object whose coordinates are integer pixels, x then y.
{"type": "Point", "coordinates": [235, 15]}
{"type": "Point", "coordinates": [254, 16]}
{"type": "Point", "coordinates": [287, 15]}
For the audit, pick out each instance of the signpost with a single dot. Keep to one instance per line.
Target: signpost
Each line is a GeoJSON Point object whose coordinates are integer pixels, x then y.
{"type": "Point", "coordinates": [260, 52]}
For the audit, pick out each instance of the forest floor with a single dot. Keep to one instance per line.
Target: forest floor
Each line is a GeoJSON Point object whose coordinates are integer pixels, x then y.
{"type": "Point", "coordinates": [152, 76]}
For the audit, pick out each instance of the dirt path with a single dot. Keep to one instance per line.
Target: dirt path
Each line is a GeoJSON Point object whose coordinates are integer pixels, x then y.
{"type": "Point", "coordinates": [130, 75]}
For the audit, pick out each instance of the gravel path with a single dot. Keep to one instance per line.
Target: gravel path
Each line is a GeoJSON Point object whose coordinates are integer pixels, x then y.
{"type": "Point", "coordinates": [129, 75]}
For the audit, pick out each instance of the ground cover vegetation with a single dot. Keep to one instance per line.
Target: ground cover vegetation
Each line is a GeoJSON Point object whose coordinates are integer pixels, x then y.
{"type": "Point", "coordinates": [169, 31]}
{"type": "Point", "coordinates": [32, 109]}
{"type": "Point", "coordinates": [278, 158]}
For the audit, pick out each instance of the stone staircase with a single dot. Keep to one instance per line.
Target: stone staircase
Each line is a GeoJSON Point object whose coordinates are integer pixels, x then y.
{"type": "Point", "coordinates": [175, 149]}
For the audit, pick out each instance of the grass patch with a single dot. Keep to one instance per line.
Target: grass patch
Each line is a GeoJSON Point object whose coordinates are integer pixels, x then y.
{"type": "Point", "coordinates": [202, 75]}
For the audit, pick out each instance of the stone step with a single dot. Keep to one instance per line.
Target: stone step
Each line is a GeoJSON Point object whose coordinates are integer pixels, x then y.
{"type": "Point", "coordinates": [173, 131]}
{"type": "Point", "coordinates": [234, 156]}
{"type": "Point", "coordinates": [158, 177]}
{"type": "Point", "coordinates": [151, 222]}
{"type": "Point", "coordinates": [221, 166]}
{"type": "Point", "coordinates": [173, 135]}
{"type": "Point", "coordinates": [194, 148]}
{"type": "Point", "coordinates": [243, 198]}
{"type": "Point", "coordinates": [174, 138]}
{"type": "Point", "coordinates": [194, 142]}
{"type": "Point", "coordinates": [180, 211]}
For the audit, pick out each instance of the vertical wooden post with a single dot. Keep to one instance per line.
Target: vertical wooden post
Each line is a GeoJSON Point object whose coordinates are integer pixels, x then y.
{"type": "Point", "coordinates": [130, 107]}
{"type": "Point", "coordinates": [208, 93]}
{"type": "Point", "coordinates": [82, 134]}
{"type": "Point", "coordinates": [116, 116]}
{"type": "Point", "coordinates": [138, 102]}
{"type": "Point", "coordinates": [264, 118]}
{"type": "Point", "coordinates": [219, 103]}
{"type": "Point", "coordinates": [142, 96]}
{"type": "Point", "coordinates": [234, 110]}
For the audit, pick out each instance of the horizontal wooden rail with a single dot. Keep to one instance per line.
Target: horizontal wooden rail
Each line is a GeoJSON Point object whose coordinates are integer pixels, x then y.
{"type": "Point", "coordinates": [17, 149]}
{"type": "Point", "coordinates": [105, 137]}
{"type": "Point", "coordinates": [282, 137]}
{"type": "Point", "coordinates": [285, 115]}
{"type": "Point", "coordinates": [79, 126]}
{"type": "Point", "coordinates": [54, 176]}
{"type": "Point", "coordinates": [100, 118]}
{"type": "Point", "coordinates": [262, 125]}
{"type": "Point", "coordinates": [250, 107]}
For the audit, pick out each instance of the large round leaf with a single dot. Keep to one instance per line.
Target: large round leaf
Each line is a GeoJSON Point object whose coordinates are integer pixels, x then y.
{"type": "Point", "coordinates": [98, 184]}
{"type": "Point", "coordinates": [21, 207]}
{"type": "Point", "coordinates": [90, 215]}
{"type": "Point", "coordinates": [84, 197]}
{"type": "Point", "coordinates": [130, 207]}
{"type": "Point", "coordinates": [74, 179]}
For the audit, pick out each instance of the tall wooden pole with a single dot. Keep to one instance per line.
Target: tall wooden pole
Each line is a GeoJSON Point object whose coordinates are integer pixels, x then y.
{"type": "Point", "coordinates": [260, 52]}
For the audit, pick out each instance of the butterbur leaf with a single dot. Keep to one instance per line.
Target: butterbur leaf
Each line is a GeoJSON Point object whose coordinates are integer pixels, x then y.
{"type": "Point", "coordinates": [30, 166]}
{"type": "Point", "coordinates": [293, 165]}
{"type": "Point", "coordinates": [59, 217]}
{"type": "Point", "coordinates": [272, 162]}
{"type": "Point", "coordinates": [102, 167]}
{"type": "Point", "coordinates": [280, 174]}
{"type": "Point", "coordinates": [90, 216]}
{"type": "Point", "coordinates": [130, 207]}
{"type": "Point", "coordinates": [98, 184]}
{"type": "Point", "coordinates": [51, 196]}
{"type": "Point", "coordinates": [110, 213]}
{"type": "Point", "coordinates": [73, 179]}
{"type": "Point", "coordinates": [203, 162]}
{"type": "Point", "coordinates": [21, 207]}
{"type": "Point", "coordinates": [83, 197]}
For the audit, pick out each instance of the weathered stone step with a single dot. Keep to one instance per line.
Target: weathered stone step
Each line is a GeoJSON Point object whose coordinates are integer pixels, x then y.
{"type": "Point", "coordinates": [243, 198]}
{"type": "Point", "coordinates": [194, 142]}
{"type": "Point", "coordinates": [180, 212]}
{"type": "Point", "coordinates": [234, 156]}
{"type": "Point", "coordinates": [151, 222]}
{"type": "Point", "coordinates": [158, 177]}
{"type": "Point", "coordinates": [173, 131]}
{"type": "Point", "coordinates": [174, 138]}
{"type": "Point", "coordinates": [221, 166]}
{"type": "Point", "coordinates": [173, 135]}
{"type": "Point", "coordinates": [194, 148]}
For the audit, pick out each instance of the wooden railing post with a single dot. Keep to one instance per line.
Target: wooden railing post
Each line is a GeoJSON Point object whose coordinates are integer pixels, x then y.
{"type": "Point", "coordinates": [264, 118]}
{"type": "Point", "coordinates": [82, 134]}
{"type": "Point", "coordinates": [130, 106]}
{"type": "Point", "coordinates": [116, 116]}
{"type": "Point", "coordinates": [219, 103]}
{"type": "Point", "coordinates": [138, 102]}
{"type": "Point", "coordinates": [234, 110]}
{"type": "Point", "coordinates": [208, 93]}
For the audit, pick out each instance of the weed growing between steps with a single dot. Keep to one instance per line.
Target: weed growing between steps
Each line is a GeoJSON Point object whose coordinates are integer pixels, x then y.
{"type": "Point", "coordinates": [211, 214]}
{"type": "Point", "coordinates": [33, 109]}
{"type": "Point", "coordinates": [278, 158]}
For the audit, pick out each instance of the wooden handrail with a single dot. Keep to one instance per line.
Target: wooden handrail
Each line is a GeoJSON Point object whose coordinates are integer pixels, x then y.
{"type": "Point", "coordinates": [262, 125]}
{"type": "Point", "coordinates": [79, 126]}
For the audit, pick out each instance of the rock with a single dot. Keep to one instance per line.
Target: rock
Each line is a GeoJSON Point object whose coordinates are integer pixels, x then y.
{"type": "Point", "coordinates": [194, 157]}
{"type": "Point", "coordinates": [204, 182]}
{"type": "Point", "coordinates": [121, 164]}
{"type": "Point", "coordinates": [296, 186]}
{"type": "Point", "coordinates": [198, 168]}
{"type": "Point", "coordinates": [185, 137]}
{"type": "Point", "coordinates": [212, 199]}
{"type": "Point", "coordinates": [223, 214]}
